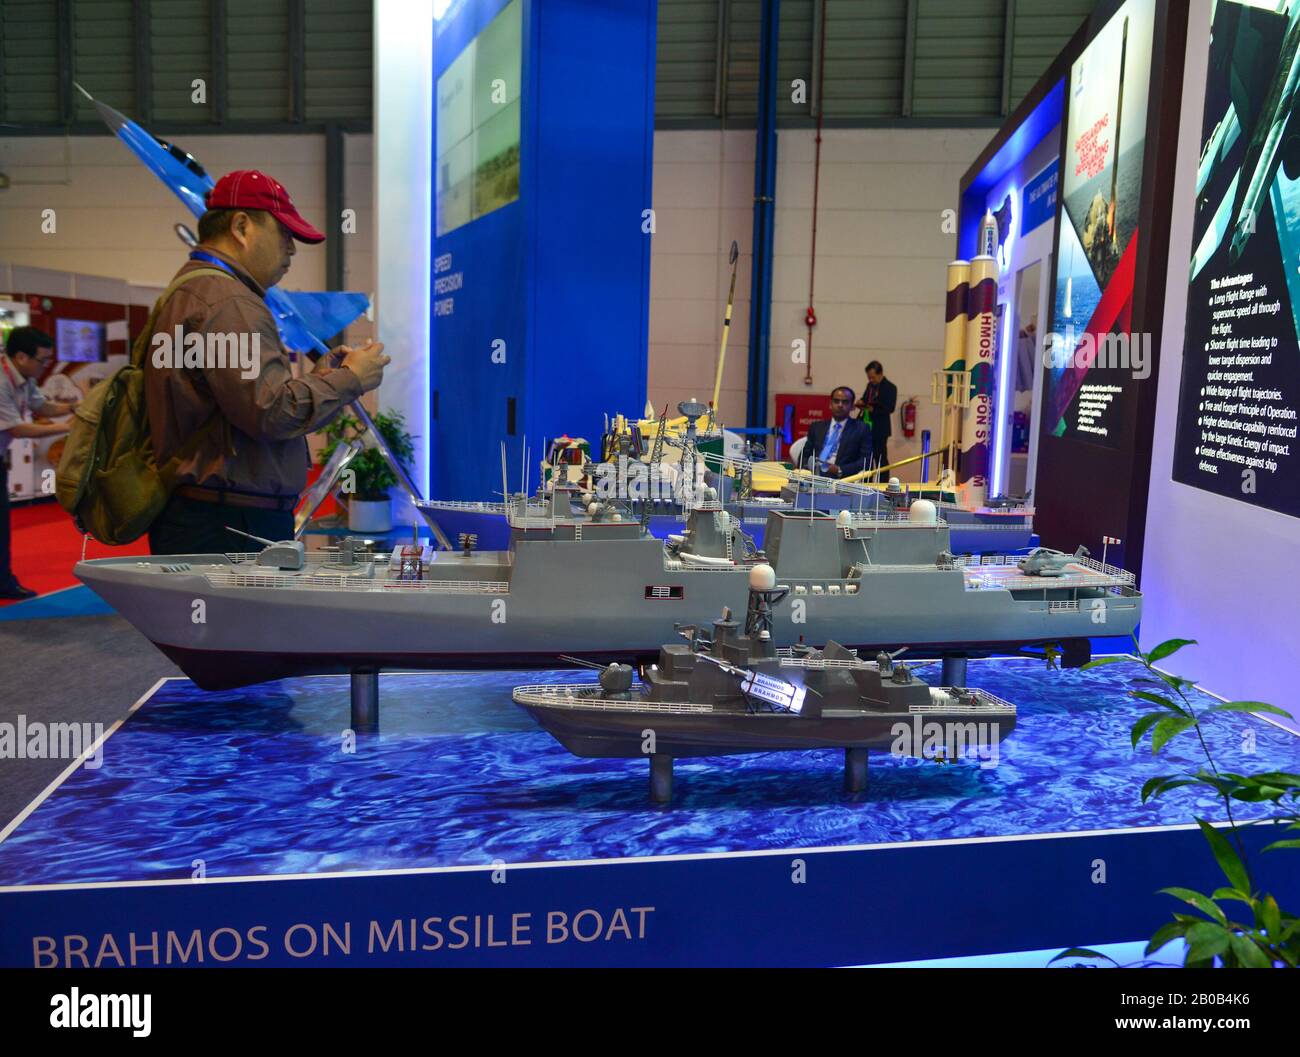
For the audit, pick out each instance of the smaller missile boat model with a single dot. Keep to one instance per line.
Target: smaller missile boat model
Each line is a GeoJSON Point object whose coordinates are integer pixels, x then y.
{"type": "Point", "coordinates": [735, 693]}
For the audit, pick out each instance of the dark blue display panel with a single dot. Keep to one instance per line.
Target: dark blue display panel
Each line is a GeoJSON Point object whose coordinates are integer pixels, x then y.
{"type": "Point", "coordinates": [543, 138]}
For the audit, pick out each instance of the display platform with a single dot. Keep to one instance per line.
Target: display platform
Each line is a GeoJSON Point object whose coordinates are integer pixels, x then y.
{"type": "Point", "coordinates": [250, 827]}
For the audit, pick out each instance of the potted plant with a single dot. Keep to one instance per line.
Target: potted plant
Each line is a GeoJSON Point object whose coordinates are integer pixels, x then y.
{"type": "Point", "coordinates": [368, 478]}
{"type": "Point", "coordinates": [1264, 935]}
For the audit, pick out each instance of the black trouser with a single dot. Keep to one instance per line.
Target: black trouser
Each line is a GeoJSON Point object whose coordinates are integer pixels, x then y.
{"type": "Point", "coordinates": [6, 571]}
{"type": "Point", "coordinates": [879, 451]}
{"type": "Point", "coordinates": [191, 526]}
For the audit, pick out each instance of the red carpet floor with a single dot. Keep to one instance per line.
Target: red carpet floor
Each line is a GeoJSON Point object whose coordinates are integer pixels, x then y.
{"type": "Point", "coordinates": [46, 545]}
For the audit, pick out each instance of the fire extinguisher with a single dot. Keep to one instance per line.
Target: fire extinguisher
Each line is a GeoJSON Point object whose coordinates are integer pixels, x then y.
{"type": "Point", "coordinates": [909, 418]}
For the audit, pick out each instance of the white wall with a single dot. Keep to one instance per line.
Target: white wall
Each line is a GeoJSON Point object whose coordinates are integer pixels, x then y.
{"type": "Point", "coordinates": [402, 160]}
{"type": "Point", "coordinates": [1214, 569]}
{"type": "Point", "coordinates": [114, 218]}
{"type": "Point", "coordinates": [881, 260]}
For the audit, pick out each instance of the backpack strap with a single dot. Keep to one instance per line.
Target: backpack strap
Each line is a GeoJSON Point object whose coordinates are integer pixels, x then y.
{"type": "Point", "coordinates": [145, 336]}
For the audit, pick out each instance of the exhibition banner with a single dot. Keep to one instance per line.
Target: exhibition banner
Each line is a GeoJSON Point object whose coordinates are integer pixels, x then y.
{"type": "Point", "coordinates": [1093, 359]}
{"type": "Point", "coordinates": [1040, 198]}
{"type": "Point", "coordinates": [1237, 409]}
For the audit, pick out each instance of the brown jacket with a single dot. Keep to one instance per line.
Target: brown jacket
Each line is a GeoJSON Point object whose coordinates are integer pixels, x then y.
{"type": "Point", "coordinates": [260, 445]}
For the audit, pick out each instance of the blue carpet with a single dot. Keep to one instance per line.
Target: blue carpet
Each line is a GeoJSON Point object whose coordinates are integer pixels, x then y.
{"type": "Point", "coordinates": [79, 601]}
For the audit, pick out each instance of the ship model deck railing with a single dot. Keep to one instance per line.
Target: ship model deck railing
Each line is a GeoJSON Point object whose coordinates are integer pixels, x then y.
{"type": "Point", "coordinates": [984, 701]}
{"type": "Point", "coordinates": [1091, 564]}
{"type": "Point", "coordinates": [461, 504]}
{"type": "Point", "coordinates": [326, 582]}
{"type": "Point", "coordinates": [790, 660]}
{"type": "Point", "coordinates": [1012, 580]}
{"type": "Point", "coordinates": [892, 519]}
{"type": "Point", "coordinates": [588, 696]}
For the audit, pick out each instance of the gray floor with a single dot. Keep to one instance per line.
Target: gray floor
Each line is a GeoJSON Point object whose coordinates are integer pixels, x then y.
{"type": "Point", "coordinates": [67, 670]}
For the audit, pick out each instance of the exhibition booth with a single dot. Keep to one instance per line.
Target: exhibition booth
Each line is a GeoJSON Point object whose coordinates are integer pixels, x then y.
{"type": "Point", "coordinates": [628, 686]}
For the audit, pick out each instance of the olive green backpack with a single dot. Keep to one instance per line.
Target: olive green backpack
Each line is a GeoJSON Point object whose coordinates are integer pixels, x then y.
{"type": "Point", "coordinates": [108, 478]}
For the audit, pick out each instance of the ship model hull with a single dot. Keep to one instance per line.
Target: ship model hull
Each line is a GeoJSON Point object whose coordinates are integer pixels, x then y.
{"type": "Point", "coordinates": [590, 726]}
{"type": "Point", "coordinates": [605, 592]}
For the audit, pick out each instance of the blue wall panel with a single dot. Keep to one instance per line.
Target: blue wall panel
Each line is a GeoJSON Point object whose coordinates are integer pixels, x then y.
{"type": "Point", "coordinates": [562, 275]}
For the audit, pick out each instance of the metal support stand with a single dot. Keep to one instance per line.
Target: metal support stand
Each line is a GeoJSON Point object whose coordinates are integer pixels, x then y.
{"type": "Point", "coordinates": [661, 778]}
{"type": "Point", "coordinates": [365, 702]}
{"type": "Point", "coordinates": [954, 671]}
{"type": "Point", "coordinates": [855, 770]}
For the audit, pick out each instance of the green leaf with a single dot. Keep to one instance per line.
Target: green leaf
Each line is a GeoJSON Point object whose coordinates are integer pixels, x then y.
{"type": "Point", "coordinates": [1168, 647]}
{"type": "Point", "coordinates": [1249, 954]}
{"type": "Point", "coordinates": [1165, 934]}
{"type": "Point", "coordinates": [1097, 662]}
{"type": "Point", "coordinates": [1232, 893]}
{"type": "Point", "coordinates": [1282, 844]}
{"type": "Point", "coordinates": [1176, 682]}
{"type": "Point", "coordinates": [1167, 728]}
{"type": "Point", "coordinates": [1229, 861]}
{"type": "Point", "coordinates": [1206, 940]}
{"type": "Point", "coordinates": [1143, 725]}
{"type": "Point", "coordinates": [1278, 778]}
{"type": "Point", "coordinates": [1249, 706]}
{"type": "Point", "coordinates": [1162, 784]}
{"type": "Point", "coordinates": [1161, 700]}
{"type": "Point", "coordinates": [1081, 952]}
{"type": "Point", "coordinates": [1199, 900]}
{"type": "Point", "coordinates": [1272, 915]}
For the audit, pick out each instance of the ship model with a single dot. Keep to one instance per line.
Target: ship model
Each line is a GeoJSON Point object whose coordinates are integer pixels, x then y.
{"type": "Point", "coordinates": [732, 691]}
{"type": "Point", "coordinates": [602, 587]}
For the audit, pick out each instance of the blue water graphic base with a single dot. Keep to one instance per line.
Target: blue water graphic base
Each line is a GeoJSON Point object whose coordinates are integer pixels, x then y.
{"type": "Point", "coordinates": [267, 782]}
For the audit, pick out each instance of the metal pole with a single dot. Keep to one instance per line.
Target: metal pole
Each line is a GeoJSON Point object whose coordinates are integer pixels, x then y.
{"type": "Point", "coordinates": [855, 770]}
{"type": "Point", "coordinates": [661, 778]}
{"type": "Point", "coordinates": [954, 671]}
{"type": "Point", "coordinates": [365, 702]}
{"type": "Point", "coordinates": [760, 299]}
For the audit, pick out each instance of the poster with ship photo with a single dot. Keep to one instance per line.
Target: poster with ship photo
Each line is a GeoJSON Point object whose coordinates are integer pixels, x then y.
{"type": "Point", "coordinates": [1237, 405]}
{"type": "Point", "coordinates": [1088, 377]}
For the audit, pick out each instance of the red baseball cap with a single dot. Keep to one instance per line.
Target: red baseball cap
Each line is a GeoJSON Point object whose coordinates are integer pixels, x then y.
{"type": "Point", "coordinates": [250, 189]}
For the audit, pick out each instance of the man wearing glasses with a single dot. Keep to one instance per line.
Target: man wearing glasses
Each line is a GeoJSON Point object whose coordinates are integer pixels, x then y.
{"type": "Point", "coordinates": [28, 354]}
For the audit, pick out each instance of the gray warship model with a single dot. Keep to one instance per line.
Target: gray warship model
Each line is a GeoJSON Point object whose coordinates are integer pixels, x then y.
{"type": "Point", "coordinates": [602, 587]}
{"type": "Point", "coordinates": [734, 692]}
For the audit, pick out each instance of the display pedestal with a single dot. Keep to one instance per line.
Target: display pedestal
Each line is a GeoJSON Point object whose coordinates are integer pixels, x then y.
{"type": "Point", "coordinates": [254, 827]}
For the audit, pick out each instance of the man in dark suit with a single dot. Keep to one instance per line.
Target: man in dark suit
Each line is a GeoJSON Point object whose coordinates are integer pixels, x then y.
{"type": "Point", "coordinates": [879, 401]}
{"type": "Point", "coordinates": [839, 446]}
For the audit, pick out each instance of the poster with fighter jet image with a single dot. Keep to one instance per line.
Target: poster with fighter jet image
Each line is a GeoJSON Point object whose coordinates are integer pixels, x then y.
{"type": "Point", "coordinates": [1091, 359]}
{"type": "Point", "coordinates": [1237, 410]}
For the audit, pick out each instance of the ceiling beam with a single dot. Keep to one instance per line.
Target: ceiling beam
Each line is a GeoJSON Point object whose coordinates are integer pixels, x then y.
{"type": "Point", "coordinates": [909, 58]}
{"type": "Point", "coordinates": [142, 27]}
{"type": "Point", "coordinates": [1008, 49]}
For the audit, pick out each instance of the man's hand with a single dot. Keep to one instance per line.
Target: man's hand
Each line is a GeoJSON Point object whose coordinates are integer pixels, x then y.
{"type": "Point", "coordinates": [367, 362]}
{"type": "Point", "coordinates": [58, 408]}
{"type": "Point", "coordinates": [833, 471]}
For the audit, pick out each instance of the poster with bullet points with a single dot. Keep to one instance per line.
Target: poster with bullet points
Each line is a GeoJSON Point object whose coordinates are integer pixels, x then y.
{"type": "Point", "coordinates": [1237, 412]}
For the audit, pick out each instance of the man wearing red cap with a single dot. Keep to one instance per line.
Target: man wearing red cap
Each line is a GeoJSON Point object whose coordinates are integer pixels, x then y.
{"type": "Point", "coordinates": [239, 424]}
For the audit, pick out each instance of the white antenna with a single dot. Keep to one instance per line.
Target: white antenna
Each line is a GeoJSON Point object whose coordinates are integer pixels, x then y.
{"type": "Point", "coordinates": [505, 487]}
{"type": "Point", "coordinates": [249, 535]}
